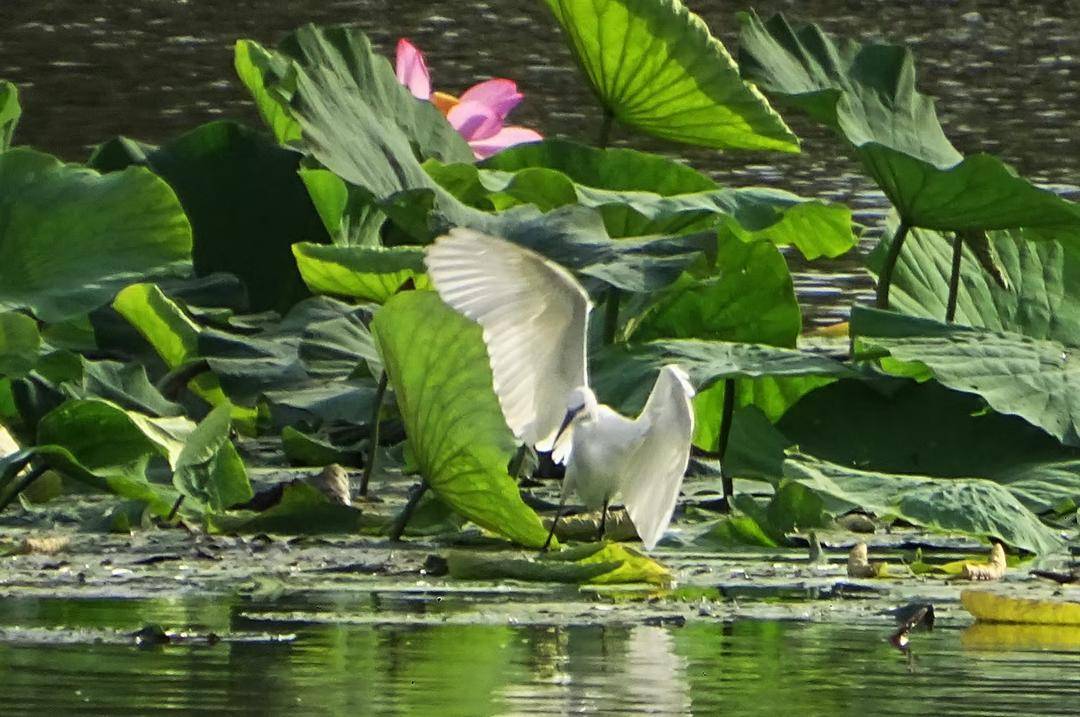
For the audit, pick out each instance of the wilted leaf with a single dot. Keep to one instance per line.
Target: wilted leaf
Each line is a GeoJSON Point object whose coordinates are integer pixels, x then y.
{"type": "Point", "coordinates": [596, 564]}
{"type": "Point", "coordinates": [988, 606]}
{"type": "Point", "coordinates": [303, 510]}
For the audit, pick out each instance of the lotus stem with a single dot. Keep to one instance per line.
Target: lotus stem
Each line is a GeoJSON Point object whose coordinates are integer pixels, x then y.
{"type": "Point", "coordinates": [611, 315]}
{"type": "Point", "coordinates": [22, 485]}
{"type": "Point", "coordinates": [722, 443]}
{"type": "Point", "coordinates": [605, 129]}
{"type": "Point", "coordinates": [373, 453]}
{"type": "Point", "coordinates": [954, 277]}
{"type": "Point", "coordinates": [885, 280]}
{"type": "Point", "coordinates": [402, 521]}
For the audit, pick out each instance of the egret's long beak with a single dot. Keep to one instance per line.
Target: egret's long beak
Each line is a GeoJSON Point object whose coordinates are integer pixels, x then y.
{"type": "Point", "coordinates": [566, 421]}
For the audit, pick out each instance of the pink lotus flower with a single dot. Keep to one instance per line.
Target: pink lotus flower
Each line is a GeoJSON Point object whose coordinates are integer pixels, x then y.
{"type": "Point", "coordinates": [479, 115]}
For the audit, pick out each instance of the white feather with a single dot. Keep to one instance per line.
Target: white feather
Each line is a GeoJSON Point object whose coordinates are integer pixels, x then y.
{"type": "Point", "coordinates": [534, 315]}
{"type": "Point", "coordinates": [650, 487]}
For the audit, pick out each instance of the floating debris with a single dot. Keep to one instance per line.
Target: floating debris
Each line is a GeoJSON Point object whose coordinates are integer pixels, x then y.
{"type": "Point", "coordinates": [992, 570]}
{"type": "Point", "coordinates": [859, 565]}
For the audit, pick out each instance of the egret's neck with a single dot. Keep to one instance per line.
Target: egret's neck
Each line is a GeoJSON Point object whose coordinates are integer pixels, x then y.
{"type": "Point", "coordinates": [590, 410]}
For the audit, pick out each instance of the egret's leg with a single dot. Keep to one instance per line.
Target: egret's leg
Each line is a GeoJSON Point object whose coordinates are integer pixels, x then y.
{"type": "Point", "coordinates": [558, 514]}
{"type": "Point", "coordinates": [603, 521]}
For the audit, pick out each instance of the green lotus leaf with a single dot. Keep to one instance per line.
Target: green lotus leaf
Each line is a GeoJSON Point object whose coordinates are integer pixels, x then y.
{"type": "Point", "coordinates": [1036, 379]}
{"type": "Point", "coordinates": [271, 79]}
{"type": "Point", "coordinates": [356, 118]}
{"type": "Point", "coordinates": [209, 469]}
{"type": "Point", "coordinates": [974, 507]}
{"type": "Point", "coordinates": [867, 94]}
{"type": "Point", "coordinates": [124, 384]}
{"type": "Point", "coordinates": [19, 344]}
{"type": "Point", "coordinates": [105, 447]}
{"type": "Point", "coordinates": [595, 564]}
{"type": "Point", "coordinates": [72, 237]}
{"type": "Point", "coordinates": [175, 338]}
{"type": "Point", "coordinates": [1040, 296]}
{"type": "Point", "coordinates": [770, 378]}
{"type": "Point", "coordinates": [247, 206]}
{"type": "Point", "coordinates": [360, 272]}
{"type": "Point", "coordinates": [10, 112]}
{"type": "Point", "coordinates": [438, 367]}
{"type": "Point", "coordinates": [747, 296]}
{"type": "Point", "coordinates": [944, 433]}
{"type": "Point", "coordinates": [655, 67]}
{"type": "Point", "coordinates": [619, 184]}
{"type": "Point", "coordinates": [349, 215]}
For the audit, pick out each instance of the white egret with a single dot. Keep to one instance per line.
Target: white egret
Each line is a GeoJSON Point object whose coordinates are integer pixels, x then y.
{"type": "Point", "coordinates": [534, 315]}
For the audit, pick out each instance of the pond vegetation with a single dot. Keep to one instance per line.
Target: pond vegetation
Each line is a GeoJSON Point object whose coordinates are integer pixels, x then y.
{"type": "Point", "coordinates": [195, 330]}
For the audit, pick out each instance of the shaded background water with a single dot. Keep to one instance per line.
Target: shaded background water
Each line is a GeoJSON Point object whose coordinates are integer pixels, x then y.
{"type": "Point", "coordinates": [268, 665]}
{"type": "Point", "coordinates": [1007, 75]}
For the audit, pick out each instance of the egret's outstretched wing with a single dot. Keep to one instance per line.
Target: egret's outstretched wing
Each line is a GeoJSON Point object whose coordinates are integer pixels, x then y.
{"type": "Point", "coordinates": [655, 473]}
{"type": "Point", "coordinates": [534, 315]}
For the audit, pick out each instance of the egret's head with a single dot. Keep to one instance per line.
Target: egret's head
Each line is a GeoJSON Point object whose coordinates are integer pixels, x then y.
{"type": "Point", "coordinates": [580, 405]}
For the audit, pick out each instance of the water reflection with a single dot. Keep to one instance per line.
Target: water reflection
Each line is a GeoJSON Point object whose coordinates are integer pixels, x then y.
{"type": "Point", "coordinates": [60, 655]}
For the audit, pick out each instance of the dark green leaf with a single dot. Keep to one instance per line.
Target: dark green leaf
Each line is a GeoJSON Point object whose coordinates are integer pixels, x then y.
{"type": "Point", "coordinates": [1036, 379]}
{"type": "Point", "coordinates": [750, 297]}
{"type": "Point", "coordinates": [19, 344]}
{"type": "Point", "coordinates": [867, 94]}
{"type": "Point", "coordinates": [247, 207]}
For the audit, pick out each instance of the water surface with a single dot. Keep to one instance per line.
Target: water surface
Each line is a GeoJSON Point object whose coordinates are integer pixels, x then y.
{"type": "Point", "coordinates": [62, 656]}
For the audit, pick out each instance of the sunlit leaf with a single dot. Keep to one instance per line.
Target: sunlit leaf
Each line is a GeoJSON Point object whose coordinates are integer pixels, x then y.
{"type": "Point", "coordinates": [270, 79]}
{"type": "Point", "coordinates": [439, 370]}
{"type": "Point", "coordinates": [596, 564]}
{"type": "Point", "coordinates": [748, 297]}
{"type": "Point", "coordinates": [1040, 298]}
{"type": "Point", "coordinates": [9, 113]}
{"type": "Point", "coordinates": [175, 338]}
{"type": "Point", "coordinates": [655, 66]}
{"type": "Point", "coordinates": [360, 272]}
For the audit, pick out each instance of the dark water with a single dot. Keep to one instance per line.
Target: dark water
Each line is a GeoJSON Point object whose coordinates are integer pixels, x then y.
{"type": "Point", "coordinates": [742, 668]}
{"type": "Point", "coordinates": [1007, 74]}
